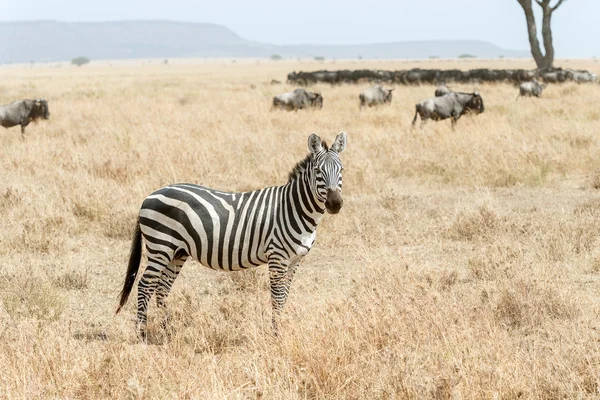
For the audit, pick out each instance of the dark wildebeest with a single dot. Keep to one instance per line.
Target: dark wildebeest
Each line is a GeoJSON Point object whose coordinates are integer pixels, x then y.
{"type": "Point", "coordinates": [442, 91]}
{"type": "Point", "coordinates": [374, 96]}
{"type": "Point", "coordinates": [298, 100]}
{"type": "Point", "coordinates": [452, 105]}
{"type": "Point", "coordinates": [22, 112]}
{"type": "Point", "coordinates": [532, 88]}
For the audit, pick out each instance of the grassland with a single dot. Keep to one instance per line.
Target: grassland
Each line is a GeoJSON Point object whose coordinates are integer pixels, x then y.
{"type": "Point", "coordinates": [464, 264]}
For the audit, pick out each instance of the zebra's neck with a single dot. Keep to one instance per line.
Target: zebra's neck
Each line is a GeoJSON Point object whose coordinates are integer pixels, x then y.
{"type": "Point", "coordinates": [300, 199]}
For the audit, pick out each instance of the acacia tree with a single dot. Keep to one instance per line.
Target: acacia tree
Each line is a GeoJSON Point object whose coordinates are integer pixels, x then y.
{"type": "Point", "coordinates": [79, 61]}
{"type": "Point", "coordinates": [542, 60]}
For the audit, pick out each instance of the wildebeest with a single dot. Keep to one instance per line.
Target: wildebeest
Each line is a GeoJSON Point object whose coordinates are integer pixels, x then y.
{"type": "Point", "coordinates": [532, 88]}
{"type": "Point", "coordinates": [418, 76]}
{"type": "Point", "coordinates": [298, 100]}
{"type": "Point", "coordinates": [375, 95]}
{"type": "Point", "coordinates": [452, 105]}
{"type": "Point", "coordinates": [580, 76]}
{"type": "Point", "coordinates": [442, 91]}
{"type": "Point", "coordinates": [22, 112]}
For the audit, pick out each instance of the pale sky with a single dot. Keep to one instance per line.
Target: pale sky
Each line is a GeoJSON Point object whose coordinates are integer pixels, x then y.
{"type": "Point", "coordinates": [576, 24]}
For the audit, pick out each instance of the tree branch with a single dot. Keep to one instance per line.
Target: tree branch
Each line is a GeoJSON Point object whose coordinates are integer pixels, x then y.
{"type": "Point", "coordinates": [557, 5]}
{"type": "Point", "coordinates": [524, 3]}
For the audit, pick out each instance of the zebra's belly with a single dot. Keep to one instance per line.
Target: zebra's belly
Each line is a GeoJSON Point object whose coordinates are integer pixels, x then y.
{"type": "Point", "coordinates": [236, 261]}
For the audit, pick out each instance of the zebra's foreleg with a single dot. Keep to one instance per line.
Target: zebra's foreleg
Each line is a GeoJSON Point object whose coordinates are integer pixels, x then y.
{"type": "Point", "coordinates": [277, 283]}
{"type": "Point", "coordinates": [281, 274]}
{"type": "Point", "coordinates": [289, 277]}
{"type": "Point", "coordinates": [146, 288]}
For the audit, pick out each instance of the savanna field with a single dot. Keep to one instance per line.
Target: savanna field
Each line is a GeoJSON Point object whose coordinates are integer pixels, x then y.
{"type": "Point", "coordinates": [464, 264]}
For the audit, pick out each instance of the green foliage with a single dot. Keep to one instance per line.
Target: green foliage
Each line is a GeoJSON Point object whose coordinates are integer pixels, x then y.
{"type": "Point", "coordinates": [79, 61]}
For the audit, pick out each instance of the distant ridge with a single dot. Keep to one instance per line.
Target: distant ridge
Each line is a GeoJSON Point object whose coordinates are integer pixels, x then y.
{"type": "Point", "coordinates": [45, 41]}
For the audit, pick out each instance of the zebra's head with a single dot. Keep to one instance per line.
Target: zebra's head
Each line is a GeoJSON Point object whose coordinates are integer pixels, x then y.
{"type": "Point", "coordinates": [327, 171]}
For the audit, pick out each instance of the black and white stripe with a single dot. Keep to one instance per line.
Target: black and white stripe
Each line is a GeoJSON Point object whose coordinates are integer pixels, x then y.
{"type": "Point", "coordinates": [234, 231]}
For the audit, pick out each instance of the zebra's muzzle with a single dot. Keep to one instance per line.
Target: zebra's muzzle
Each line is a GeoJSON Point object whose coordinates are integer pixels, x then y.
{"type": "Point", "coordinates": [334, 201]}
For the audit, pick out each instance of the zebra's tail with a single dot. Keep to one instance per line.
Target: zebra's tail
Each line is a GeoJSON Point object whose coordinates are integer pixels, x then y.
{"type": "Point", "coordinates": [134, 264]}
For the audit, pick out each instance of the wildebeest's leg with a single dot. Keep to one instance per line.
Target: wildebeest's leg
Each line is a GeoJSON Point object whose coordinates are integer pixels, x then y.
{"type": "Point", "coordinates": [416, 115]}
{"type": "Point", "coordinates": [147, 286]}
{"type": "Point", "coordinates": [24, 123]}
{"type": "Point", "coordinates": [454, 118]}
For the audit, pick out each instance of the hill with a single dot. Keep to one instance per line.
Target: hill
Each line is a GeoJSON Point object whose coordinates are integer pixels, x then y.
{"type": "Point", "coordinates": [43, 41]}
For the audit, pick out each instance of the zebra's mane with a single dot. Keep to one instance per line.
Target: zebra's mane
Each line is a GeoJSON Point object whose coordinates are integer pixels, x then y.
{"type": "Point", "coordinates": [300, 167]}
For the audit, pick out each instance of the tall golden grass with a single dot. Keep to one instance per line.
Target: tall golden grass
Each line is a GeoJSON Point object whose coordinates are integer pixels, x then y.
{"type": "Point", "coordinates": [464, 264]}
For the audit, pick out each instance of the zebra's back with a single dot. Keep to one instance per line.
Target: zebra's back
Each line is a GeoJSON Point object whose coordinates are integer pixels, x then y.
{"type": "Point", "coordinates": [221, 230]}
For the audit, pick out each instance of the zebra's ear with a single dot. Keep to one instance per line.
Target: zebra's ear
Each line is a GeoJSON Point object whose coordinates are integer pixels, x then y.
{"type": "Point", "coordinates": [340, 142]}
{"type": "Point", "coordinates": [314, 143]}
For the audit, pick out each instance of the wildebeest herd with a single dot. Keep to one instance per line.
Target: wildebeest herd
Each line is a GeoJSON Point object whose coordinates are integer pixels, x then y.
{"type": "Point", "coordinates": [453, 105]}
{"type": "Point", "coordinates": [419, 76]}
{"type": "Point", "coordinates": [446, 103]}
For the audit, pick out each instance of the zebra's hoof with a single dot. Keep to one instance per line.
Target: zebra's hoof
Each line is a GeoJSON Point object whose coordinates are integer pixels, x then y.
{"type": "Point", "coordinates": [143, 336]}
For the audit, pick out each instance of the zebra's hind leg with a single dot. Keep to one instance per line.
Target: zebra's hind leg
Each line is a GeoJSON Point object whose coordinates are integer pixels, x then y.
{"type": "Point", "coordinates": [146, 287]}
{"type": "Point", "coordinates": [165, 283]}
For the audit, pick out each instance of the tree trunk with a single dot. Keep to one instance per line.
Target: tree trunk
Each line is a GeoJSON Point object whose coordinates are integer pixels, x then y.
{"type": "Point", "coordinates": [542, 60]}
{"type": "Point", "coordinates": [547, 36]}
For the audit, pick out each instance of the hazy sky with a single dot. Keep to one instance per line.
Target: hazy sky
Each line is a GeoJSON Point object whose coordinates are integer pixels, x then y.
{"type": "Point", "coordinates": [576, 24]}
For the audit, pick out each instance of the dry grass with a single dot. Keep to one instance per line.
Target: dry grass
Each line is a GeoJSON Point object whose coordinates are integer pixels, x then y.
{"type": "Point", "coordinates": [464, 264]}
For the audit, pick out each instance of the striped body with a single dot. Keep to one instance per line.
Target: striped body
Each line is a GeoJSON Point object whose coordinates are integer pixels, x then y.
{"type": "Point", "coordinates": [234, 231]}
{"type": "Point", "coordinates": [230, 231]}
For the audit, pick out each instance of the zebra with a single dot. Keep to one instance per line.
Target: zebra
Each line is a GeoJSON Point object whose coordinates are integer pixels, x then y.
{"type": "Point", "coordinates": [235, 231]}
